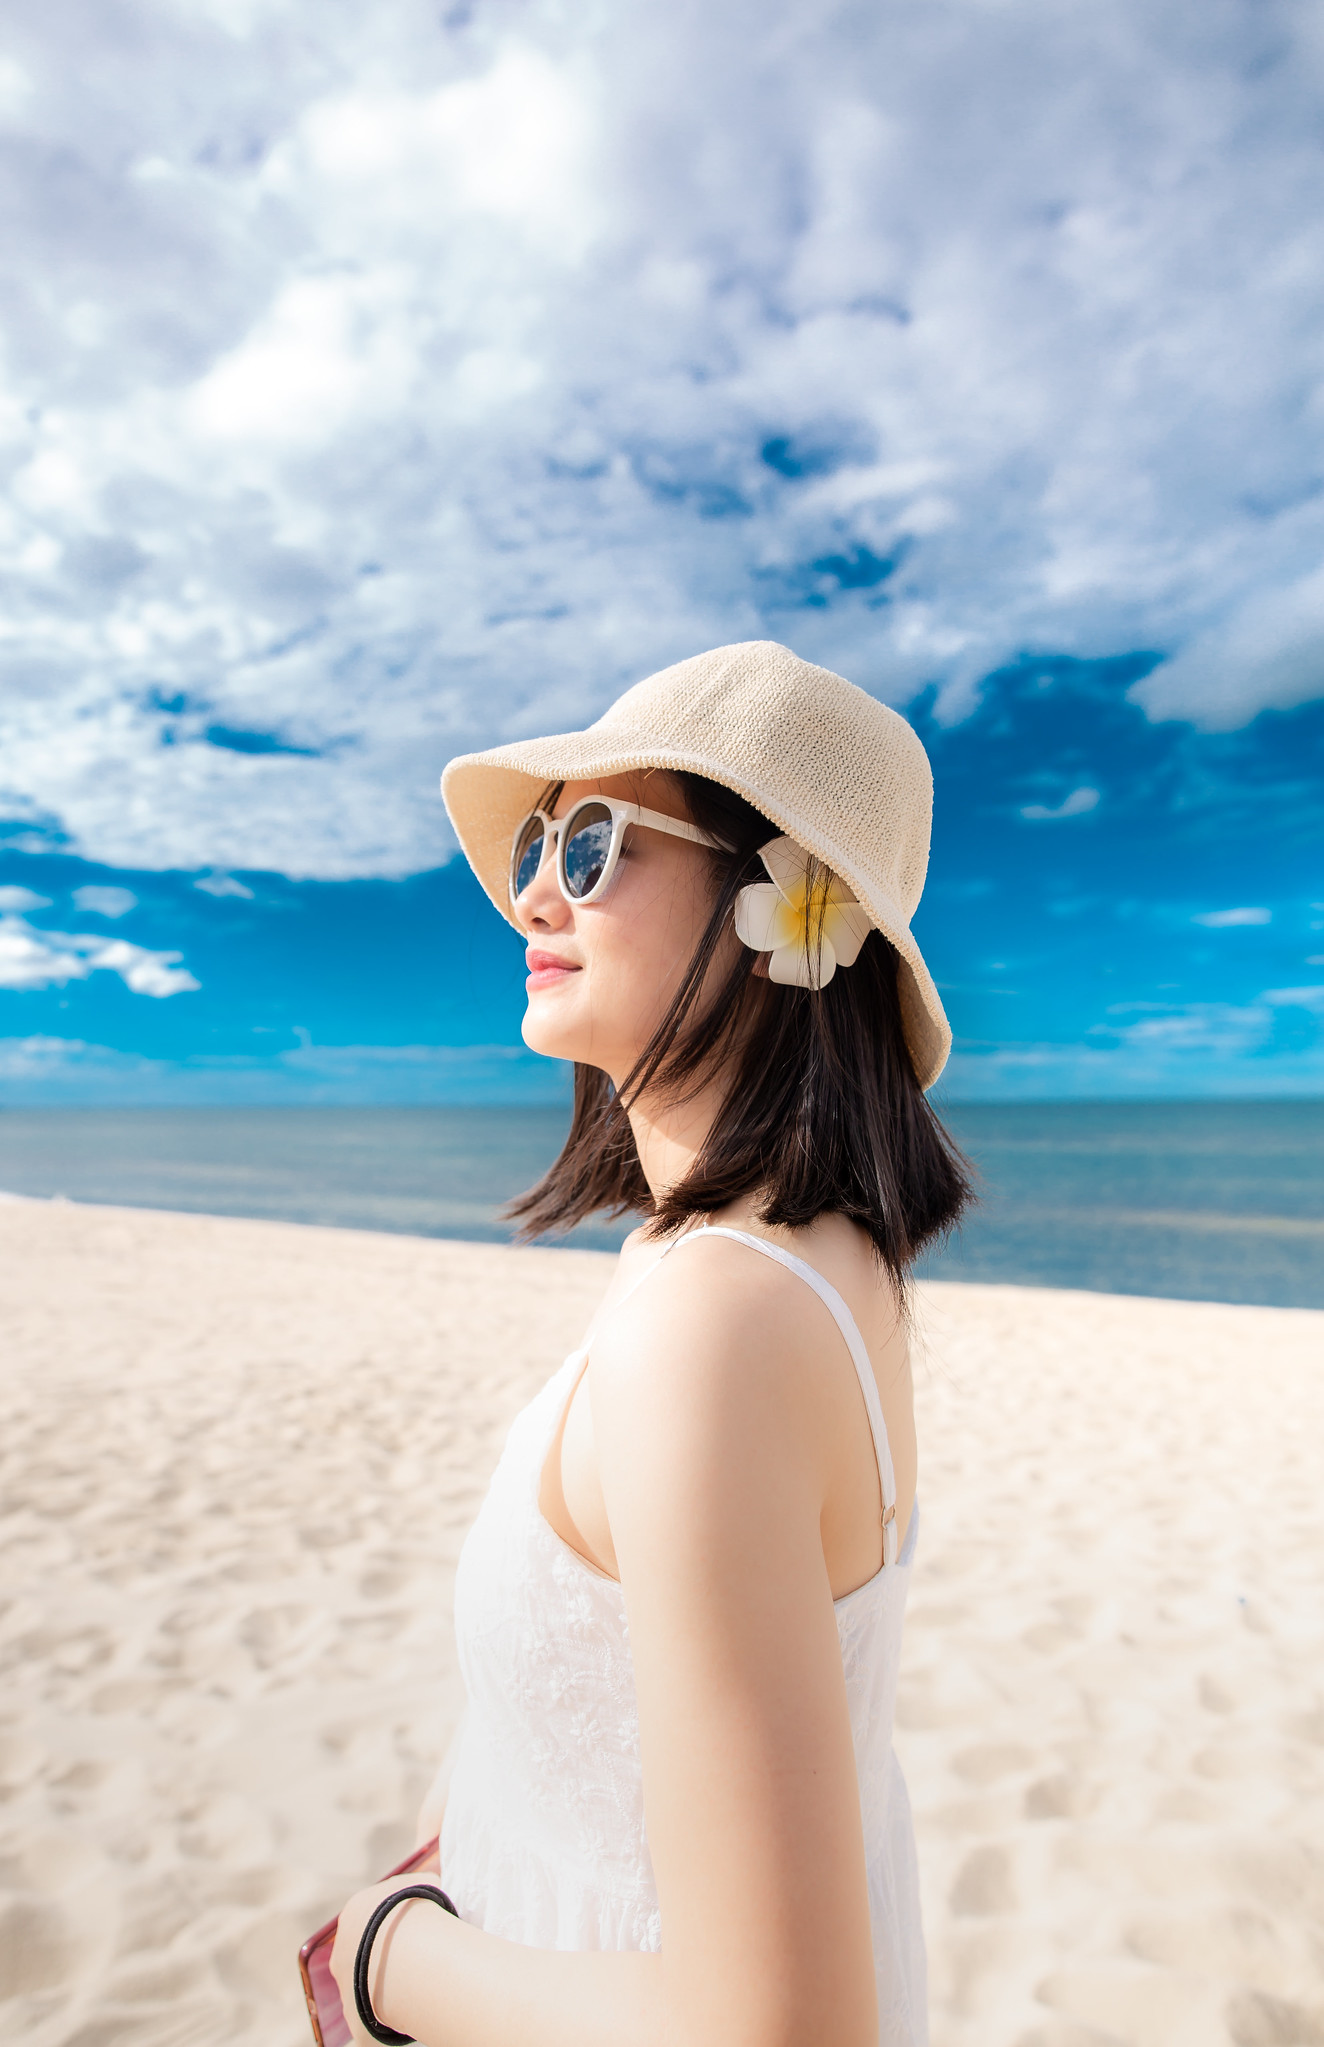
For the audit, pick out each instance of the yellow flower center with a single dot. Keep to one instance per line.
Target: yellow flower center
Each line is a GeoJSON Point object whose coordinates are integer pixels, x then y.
{"type": "Point", "coordinates": [809, 902]}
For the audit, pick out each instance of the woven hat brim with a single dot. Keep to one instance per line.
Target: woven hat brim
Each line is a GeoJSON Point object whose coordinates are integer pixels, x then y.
{"type": "Point", "coordinates": [488, 794]}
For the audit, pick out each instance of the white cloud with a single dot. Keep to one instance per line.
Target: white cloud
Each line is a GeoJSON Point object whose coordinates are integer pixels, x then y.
{"type": "Point", "coordinates": [31, 959]}
{"type": "Point", "coordinates": [15, 87]}
{"type": "Point", "coordinates": [41, 1058]}
{"type": "Point", "coordinates": [383, 388]}
{"type": "Point", "coordinates": [1296, 998]}
{"type": "Point", "coordinates": [1219, 920]}
{"type": "Point", "coordinates": [146, 973]}
{"type": "Point", "coordinates": [1237, 1033]}
{"type": "Point", "coordinates": [1077, 804]}
{"type": "Point", "coordinates": [423, 1072]}
{"type": "Point", "coordinates": [1269, 650]}
{"type": "Point", "coordinates": [101, 901]}
{"type": "Point", "coordinates": [37, 1058]}
{"type": "Point", "coordinates": [20, 899]}
{"type": "Point", "coordinates": [223, 885]}
{"type": "Point", "coordinates": [1227, 1028]}
{"type": "Point", "coordinates": [1199, 1050]}
{"type": "Point", "coordinates": [1067, 1072]}
{"type": "Point", "coordinates": [43, 1068]}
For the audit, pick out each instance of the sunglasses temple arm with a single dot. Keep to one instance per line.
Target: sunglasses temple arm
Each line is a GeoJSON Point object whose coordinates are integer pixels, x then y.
{"type": "Point", "coordinates": [676, 826]}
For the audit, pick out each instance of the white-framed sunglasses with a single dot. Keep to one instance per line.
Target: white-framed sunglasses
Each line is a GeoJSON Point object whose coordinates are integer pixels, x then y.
{"type": "Point", "coordinates": [588, 844]}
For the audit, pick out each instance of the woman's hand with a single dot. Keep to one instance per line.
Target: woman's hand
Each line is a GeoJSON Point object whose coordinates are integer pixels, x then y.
{"type": "Point", "coordinates": [354, 1916]}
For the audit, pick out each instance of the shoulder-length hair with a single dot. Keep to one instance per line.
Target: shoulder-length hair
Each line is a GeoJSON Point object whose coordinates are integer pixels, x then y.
{"type": "Point", "coordinates": [822, 1112]}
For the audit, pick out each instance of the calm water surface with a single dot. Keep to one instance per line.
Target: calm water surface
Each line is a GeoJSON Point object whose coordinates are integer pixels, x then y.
{"type": "Point", "coordinates": [1203, 1201]}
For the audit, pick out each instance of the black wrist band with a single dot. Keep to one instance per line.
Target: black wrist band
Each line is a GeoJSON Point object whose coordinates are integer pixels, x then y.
{"type": "Point", "coordinates": [367, 2016]}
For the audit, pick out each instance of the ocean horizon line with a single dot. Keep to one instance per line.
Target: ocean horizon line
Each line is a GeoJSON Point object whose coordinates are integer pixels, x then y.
{"type": "Point", "coordinates": [1180, 1200]}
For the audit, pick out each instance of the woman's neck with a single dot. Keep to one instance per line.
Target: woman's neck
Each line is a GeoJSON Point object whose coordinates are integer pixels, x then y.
{"type": "Point", "coordinates": [669, 1137]}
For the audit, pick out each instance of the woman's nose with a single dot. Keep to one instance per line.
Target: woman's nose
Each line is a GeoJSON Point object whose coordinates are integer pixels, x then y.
{"type": "Point", "coordinates": [542, 907]}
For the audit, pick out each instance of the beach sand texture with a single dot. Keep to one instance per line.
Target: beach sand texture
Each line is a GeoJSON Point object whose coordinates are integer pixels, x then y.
{"type": "Point", "coordinates": [239, 1460]}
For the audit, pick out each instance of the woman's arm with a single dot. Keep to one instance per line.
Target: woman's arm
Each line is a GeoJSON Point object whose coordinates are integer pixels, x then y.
{"type": "Point", "coordinates": [713, 1459]}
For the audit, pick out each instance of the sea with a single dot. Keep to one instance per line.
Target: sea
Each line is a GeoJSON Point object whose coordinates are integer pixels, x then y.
{"type": "Point", "coordinates": [1218, 1201]}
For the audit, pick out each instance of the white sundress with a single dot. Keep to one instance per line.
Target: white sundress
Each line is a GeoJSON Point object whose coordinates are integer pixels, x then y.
{"type": "Point", "coordinates": [544, 1840]}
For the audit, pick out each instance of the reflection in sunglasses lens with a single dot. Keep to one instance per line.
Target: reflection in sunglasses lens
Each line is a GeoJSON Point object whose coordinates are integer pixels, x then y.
{"type": "Point", "coordinates": [586, 850]}
{"type": "Point", "coordinates": [528, 855]}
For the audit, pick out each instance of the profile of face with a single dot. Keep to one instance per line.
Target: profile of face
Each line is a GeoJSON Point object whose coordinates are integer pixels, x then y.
{"type": "Point", "coordinates": [602, 974]}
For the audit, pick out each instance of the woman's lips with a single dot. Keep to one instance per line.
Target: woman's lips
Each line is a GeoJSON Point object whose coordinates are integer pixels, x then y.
{"type": "Point", "coordinates": [545, 969]}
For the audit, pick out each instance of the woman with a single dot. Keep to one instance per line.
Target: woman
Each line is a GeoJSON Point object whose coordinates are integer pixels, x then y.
{"type": "Point", "coordinates": [675, 1815]}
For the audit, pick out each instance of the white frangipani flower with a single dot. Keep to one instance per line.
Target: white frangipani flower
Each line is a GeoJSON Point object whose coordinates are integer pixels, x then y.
{"type": "Point", "coordinates": [806, 917]}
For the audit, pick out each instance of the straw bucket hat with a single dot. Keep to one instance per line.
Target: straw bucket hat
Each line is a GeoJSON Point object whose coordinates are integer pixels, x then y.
{"type": "Point", "coordinates": [833, 769]}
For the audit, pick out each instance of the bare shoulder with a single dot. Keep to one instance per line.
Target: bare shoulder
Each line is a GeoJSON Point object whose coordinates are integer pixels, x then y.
{"type": "Point", "coordinates": [638, 1241]}
{"type": "Point", "coordinates": [717, 1334]}
{"type": "Point", "coordinates": [704, 1290]}
{"type": "Point", "coordinates": [714, 1287]}
{"type": "Point", "coordinates": [637, 1254]}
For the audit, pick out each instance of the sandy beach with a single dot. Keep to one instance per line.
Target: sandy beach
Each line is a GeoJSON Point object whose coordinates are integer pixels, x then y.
{"type": "Point", "coordinates": [239, 1460]}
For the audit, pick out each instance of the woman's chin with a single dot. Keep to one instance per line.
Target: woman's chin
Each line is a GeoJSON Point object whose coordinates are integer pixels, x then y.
{"type": "Point", "coordinates": [541, 1034]}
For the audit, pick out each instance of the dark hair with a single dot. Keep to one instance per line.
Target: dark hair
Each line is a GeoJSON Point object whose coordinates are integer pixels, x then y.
{"type": "Point", "coordinates": [823, 1112]}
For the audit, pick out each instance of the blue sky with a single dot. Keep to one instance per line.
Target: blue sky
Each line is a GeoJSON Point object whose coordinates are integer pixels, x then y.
{"type": "Point", "coordinates": [376, 383]}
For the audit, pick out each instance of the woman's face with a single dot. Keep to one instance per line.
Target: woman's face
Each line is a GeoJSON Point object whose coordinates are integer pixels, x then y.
{"type": "Point", "coordinates": [602, 974]}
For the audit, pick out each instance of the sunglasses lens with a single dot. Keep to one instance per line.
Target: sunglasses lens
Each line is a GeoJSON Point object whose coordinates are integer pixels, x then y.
{"type": "Point", "coordinates": [528, 856]}
{"type": "Point", "coordinates": [584, 859]}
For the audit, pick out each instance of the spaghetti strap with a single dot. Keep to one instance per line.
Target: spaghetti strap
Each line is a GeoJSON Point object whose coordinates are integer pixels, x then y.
{"type": "Point", "coordinates": [846, 1323]}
